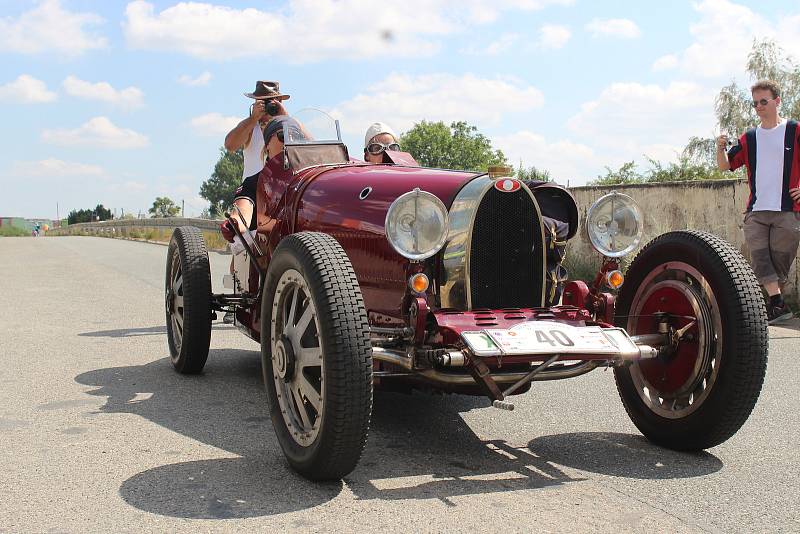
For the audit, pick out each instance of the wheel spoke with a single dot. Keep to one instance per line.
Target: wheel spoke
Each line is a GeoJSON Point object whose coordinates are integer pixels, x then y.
{"type": "Point", "coordinates": [177, 332]}
{"type": "Point", "coordinates": [177, 284]}
{"type": "Point", "coordinates": [289, 321]}
{"type": "Point", "coordinates": [309, 392]}
{"type": "Point", "coordinates": [179, 320]}
{"type": "Point", "coordinates": [301, 409]}
{"type": "Point", "coordinates": [309, 356]}
{"type": "Point", "coordinates": [178, 302]}
{"type": "Point", "coordinates": [305, 319]}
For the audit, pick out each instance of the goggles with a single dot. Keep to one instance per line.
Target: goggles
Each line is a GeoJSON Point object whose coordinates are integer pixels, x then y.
{"type": "Point", "coordinates": [379, 148]}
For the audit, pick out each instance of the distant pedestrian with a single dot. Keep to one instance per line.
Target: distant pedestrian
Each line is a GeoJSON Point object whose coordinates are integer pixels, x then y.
{"type": "Point", "coordinates": [771, 154]}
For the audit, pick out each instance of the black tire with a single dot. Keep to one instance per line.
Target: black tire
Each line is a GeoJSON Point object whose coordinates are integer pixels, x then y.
{"type": "Point", "coordinates": [702, 394]}
{"type": "Point", "coordinates": [316, 356]}
{"type": "Point", "coordinates": [188, 300]}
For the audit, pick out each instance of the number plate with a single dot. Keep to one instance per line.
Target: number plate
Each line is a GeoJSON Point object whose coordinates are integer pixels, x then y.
{"type": "Point", "coordinates": [542, 337]}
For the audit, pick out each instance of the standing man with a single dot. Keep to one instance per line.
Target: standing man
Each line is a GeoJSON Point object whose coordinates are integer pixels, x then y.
{"type": "Point", "coordinates": [771, 153]}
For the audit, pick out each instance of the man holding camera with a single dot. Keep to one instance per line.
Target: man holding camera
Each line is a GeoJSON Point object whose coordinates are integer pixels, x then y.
{"type": "Point", "coordinates": [771, 154]}
{"type": "Point", "coordinates": [248, 135]}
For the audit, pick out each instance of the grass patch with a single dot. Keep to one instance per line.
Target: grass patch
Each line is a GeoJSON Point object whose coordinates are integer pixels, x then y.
{"type": "Point", "coordinates": [214, 240]}
{"type": "Point", "coordinates": [13, 231]}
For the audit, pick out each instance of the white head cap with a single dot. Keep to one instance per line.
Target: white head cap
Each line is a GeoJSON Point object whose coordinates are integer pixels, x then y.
{"type": "Point", "coordinates": [377, 129]}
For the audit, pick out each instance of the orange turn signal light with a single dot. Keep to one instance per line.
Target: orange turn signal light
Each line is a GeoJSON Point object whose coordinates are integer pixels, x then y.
{"type": "Point", "coordinates": [615, 279]}
{"type": "Point", "coordinates": [419, 283]}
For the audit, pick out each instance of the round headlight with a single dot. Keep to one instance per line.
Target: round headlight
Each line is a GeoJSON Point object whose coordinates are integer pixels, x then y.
{"type": "Point", "coordinates": [614, 224]}
{"type": "Point", "coordinates": [416, 224]}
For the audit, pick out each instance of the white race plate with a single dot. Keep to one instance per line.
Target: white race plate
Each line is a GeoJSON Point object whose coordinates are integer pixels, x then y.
{"type": "Point", "coordinates": [546, 337]}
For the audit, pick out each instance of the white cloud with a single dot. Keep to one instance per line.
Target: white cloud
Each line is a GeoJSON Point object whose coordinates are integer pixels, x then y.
{"type": "Point", "coordinates": [213, 124]}
{"type": "Point", "coordinates": [667, 62]}
{"type": "Point", "coordinates": [26, 89]}
{"type": "Point", "coordinates": [401, 100]}
{"type": "Point", "coordinates": [553, 36]}
{"type": "Point", "coordinates": [48, 28]}
{"type": "Point", "coordinates": [629, 120]}
{"type": "Point", "coordinates": [203, 79]}
{"type": "Point", "coordinates": [128, 98]}
{"type": "Point", "coordinates": [351, 29]}
{"type": "Point", "coordinates": [724, 34]}
{"type": "Point", "coordinates": [622, 28]}
{"type": "Point", "coordinates": [564, 159]}
{"type": "Point", "coordinates": [498, 46]}
{"type": "Point", "coordinates": [98, 132]}
{"type": "Point", "coordinates": [56, 168]}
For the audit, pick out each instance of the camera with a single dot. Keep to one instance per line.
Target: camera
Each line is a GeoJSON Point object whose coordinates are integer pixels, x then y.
{"type": "Point", "coordinates": [272, 108]}
{"type": "Point", "coordinates": [733, 141]}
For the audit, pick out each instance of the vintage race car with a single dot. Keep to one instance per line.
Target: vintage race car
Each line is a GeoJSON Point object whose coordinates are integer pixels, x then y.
{"type": "Point", "coordinates": [363, 277]}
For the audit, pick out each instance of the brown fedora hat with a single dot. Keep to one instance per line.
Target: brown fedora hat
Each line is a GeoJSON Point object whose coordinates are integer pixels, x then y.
{"type": "Point", "coordinates": [267, 91]}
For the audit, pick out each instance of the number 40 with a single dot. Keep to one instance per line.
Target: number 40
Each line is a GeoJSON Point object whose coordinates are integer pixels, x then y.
{"type": "Point", "coordinates": [554, 337]}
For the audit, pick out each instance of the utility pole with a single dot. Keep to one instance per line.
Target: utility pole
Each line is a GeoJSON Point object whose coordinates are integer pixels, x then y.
{"type": "Point", "coordinates": [183, 207]}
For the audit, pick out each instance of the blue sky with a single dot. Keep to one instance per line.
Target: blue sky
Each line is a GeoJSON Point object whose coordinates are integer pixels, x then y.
{"type": "Point", "coordinates": [117, 102]}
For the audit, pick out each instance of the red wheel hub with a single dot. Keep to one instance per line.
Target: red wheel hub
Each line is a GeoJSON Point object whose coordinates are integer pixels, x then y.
{"type": "Point", "coordinates": [670, 373]}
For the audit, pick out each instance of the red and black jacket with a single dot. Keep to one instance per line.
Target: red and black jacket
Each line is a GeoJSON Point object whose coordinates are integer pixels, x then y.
{"type": "Point", "coordinates": [745, 154]}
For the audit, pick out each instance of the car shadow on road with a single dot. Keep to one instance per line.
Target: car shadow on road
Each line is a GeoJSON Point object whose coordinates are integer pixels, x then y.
{"type": "Point", "coordinates": [419, 447]}
{"type": "Point", "coordinates": [127, 332]}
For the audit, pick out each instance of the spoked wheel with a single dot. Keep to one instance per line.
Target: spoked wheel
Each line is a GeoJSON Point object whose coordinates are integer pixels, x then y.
{"type": "Point", "coordinates": [297, 365]}
{"type": "Point", "coordinates": [188, 300]}
{"type": "Point", "coordinates": [316, 356]}
{"type": "Point", "coordinates": [701, 293]}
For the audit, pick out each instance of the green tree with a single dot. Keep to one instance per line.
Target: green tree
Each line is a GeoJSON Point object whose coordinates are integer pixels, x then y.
{"type": "Point", "coordinates": [164, 207]}
{"type": "Point", "coordinates": [99, 213]}
{"type": "Point", "coordinates": [459, 146]}
{"type": "Point", "coordinates": [533, 173]}
{"type": "Point", "coordinates": [226, 178]}
{"type": "Point", "coordinates": [735, 114]}
{"type": "Point", "coordinates": [626, 174]}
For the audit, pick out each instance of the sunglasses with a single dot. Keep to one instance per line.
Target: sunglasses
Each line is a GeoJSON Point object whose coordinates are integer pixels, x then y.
{"type": "Point", "coordinates": [278, 134]}
{"type": "Point", "coordinates": [762, 102]}
{"type": "Point", "coordinates": [378, 148]}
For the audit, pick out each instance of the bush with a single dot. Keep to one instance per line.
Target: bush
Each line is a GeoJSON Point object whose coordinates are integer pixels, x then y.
{"type": "Point", "coordinates": [13, 231]}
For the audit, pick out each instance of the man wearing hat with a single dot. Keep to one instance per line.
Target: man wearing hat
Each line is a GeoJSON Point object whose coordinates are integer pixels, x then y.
{"type": "Point", "coordinates": [272, 140]}
{"type": "Point", "coordinates": [247, 134]}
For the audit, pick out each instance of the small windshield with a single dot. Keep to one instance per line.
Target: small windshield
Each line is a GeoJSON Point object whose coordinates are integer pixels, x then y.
{"type": "Point", "coordinates": [317, 127]}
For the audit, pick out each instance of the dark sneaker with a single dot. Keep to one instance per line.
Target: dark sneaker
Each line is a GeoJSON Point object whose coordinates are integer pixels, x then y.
{"type": "Point", "coordinates": [778, 314]}
{"type": "Point", "coordinates": [228, 318]}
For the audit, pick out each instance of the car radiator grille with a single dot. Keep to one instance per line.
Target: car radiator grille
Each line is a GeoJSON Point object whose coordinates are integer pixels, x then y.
{"type": "Point", "coordinates": [506, 264]}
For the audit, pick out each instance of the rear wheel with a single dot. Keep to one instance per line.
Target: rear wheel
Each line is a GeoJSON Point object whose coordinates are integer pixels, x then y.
{"type": "Point", "coordinates": [188, 300]}
{"type": "Point", "coordinates": [316, 356]}
{"type": "Point", "coordinates": [700, 390]}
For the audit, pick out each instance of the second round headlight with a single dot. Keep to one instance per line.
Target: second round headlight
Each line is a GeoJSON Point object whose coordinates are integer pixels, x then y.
{"type": "Point", "coordinates": [416, 224]}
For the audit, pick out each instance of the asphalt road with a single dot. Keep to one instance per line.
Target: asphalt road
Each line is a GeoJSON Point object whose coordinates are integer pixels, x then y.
{"type": "Point", "coordinates": [98, 433]}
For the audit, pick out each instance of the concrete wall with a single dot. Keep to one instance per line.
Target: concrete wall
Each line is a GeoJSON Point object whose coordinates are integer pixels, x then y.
{"type": "Point", "coordinates": [716, 206]}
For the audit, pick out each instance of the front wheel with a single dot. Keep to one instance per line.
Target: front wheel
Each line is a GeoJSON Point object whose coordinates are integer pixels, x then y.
{"type": "Point", "coordinates": [700, 390]}
{"type": "Point", "coordinates": [316, 356]}
{"type": "Point", "coordinates": [188, 300]}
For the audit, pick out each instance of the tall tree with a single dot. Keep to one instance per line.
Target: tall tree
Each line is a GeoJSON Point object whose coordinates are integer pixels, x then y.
{"type": "Point", "coordinates": [459, 146]}
{"type": "Point", "coordinates": [164, 207]}
{"type": "Point", "coordinates": [99, 213]}
{"type": "Point", "coordinates": [735, 114]}
{"type": "Point", "coordinates": [226, 178]}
